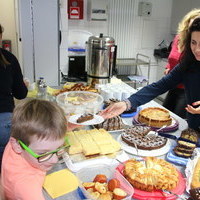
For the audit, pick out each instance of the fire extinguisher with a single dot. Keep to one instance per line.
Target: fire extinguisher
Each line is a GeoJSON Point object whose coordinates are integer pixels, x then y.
{"type": "Point", "coordinates": [6, 44]}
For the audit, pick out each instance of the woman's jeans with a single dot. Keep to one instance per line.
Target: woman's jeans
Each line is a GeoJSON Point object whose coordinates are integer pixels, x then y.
{"type": "Point", "coordinates": [5, 125]}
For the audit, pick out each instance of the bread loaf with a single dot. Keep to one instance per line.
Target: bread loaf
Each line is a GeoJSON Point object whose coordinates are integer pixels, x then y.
{"type": "Point", "coordinates": [196, 176]}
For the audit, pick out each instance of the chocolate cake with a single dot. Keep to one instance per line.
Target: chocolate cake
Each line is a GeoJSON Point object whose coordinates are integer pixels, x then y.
{"type": "Point", "coordinates": [111, 124]}
{"type": "Point", "coordinates": [190, 134]}
{"type": "Point", "coordinates": [137, 136]}
{"type": "Point", "coordinates": [84, 118]}
{"type": "Point", "coordinates": [195, 193]}
{"type": "Point", "coordinates": [185, 149]}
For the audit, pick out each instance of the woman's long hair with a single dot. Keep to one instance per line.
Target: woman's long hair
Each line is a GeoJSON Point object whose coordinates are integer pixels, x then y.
{"type": "Point", "coordinates": [3, 61]}
{"type": "Point", "coordinates": [183, 27]}
{"type": "Point", "coordinates": [188, 58]}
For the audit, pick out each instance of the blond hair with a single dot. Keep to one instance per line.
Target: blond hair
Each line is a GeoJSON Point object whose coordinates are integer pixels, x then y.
{"type": "Point", "coordinates": [183, 27]}
{"type": "Point", "coordinates": [39, 118]}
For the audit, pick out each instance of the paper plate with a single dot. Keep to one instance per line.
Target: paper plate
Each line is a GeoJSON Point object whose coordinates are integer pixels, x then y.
{"type": "Point", "coordinates": [157, 194]}
{"type": "Point", "coordinates": [96, 120]}
{"type": "Point", "coordinates": [156, 152]}
{"type": "Point", "coordinates": [171, 128]}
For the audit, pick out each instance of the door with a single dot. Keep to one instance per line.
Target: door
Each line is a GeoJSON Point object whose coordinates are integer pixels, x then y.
{"type": "Point", "coordinates": [39, 31]}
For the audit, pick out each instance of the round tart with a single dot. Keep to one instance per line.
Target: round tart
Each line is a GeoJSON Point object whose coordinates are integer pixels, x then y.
{"type": "Point", "coordinates": [151, 174]}
{"type": "Point", "coordinates": [154, 116]}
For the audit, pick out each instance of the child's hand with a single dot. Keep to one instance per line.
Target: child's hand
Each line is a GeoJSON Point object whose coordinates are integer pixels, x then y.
{"type": "Point", "coordinates": [194, 109]}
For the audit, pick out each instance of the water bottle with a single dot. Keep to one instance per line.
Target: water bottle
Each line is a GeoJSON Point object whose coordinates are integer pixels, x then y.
{"type": "Point", "coordinates": [41, 88]}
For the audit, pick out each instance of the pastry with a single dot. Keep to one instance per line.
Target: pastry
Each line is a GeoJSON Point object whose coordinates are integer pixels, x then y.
{"type": "Point", "coordinates": [84, 118]}
{"type": "Point", "coordinates": [92, 142]}
{"type": "Point", "coordinates": [185, 148]}
{"type": "Point", "coordinates": [196, 176]}
{"type": "Point", "coordinates": [195, 193]}
{"type": "Point", "coordinates": [80, 98]}
{"type": "Point", "coordinates": [190, 134]}
{"type": "Point", "coordinates": [114, 123]}
{"type": "Point", "coordinates": [136, 136]}
{"type": "Point", "coordinates": [156, 117]}
{"type": "Point", "coordinates": [151, 174]}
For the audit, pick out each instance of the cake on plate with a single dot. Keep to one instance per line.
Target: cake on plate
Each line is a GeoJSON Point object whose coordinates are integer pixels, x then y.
{"type": "Point", "coordinates": [155, 117]}
{"type": "Point", "coordinates": [114, 123]}
{"type": "Point", "coordinates": [137, 137]}
{"type": "Point", "coordinates": [151, 174]}
{"type": "Point", "coordinates": [84, 118]}
{"type": "Point", "coordinates": [185, 148]}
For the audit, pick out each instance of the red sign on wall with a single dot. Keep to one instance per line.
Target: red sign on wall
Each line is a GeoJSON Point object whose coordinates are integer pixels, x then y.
{"type": "Point", "coordinates": [75, 9]}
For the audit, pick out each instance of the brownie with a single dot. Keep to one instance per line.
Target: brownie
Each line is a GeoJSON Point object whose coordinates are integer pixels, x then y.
{"type": "Point", "coordinates": [195, 193]}
{"type": "Point", "coordinates": [84, 118]}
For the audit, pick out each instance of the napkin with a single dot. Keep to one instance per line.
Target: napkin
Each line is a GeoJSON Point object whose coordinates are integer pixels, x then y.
{"type": "Point", "coordinates": [60, 183]}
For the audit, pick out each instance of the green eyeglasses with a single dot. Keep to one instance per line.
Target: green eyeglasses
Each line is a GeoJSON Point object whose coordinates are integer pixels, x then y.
{"type": "Point", "coordinates": [46, 156]}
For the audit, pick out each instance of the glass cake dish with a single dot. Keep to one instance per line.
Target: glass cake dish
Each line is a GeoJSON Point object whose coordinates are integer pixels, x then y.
{"type": "Point", "coordinates": [79, 102]}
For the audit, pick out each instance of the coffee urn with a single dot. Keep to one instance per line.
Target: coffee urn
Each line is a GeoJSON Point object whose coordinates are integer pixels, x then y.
{"type": "Point", "coordinates": [100, 59]}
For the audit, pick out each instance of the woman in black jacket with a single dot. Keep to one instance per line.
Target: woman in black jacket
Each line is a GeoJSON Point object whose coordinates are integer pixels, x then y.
{"type": "Point", "coordinates": [187, 73]}
{"type": "Point", "coordinates": [11, 85]}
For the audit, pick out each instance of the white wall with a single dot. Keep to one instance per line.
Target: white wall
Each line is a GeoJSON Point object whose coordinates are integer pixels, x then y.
{"type": "Point", "coordinates": [7, 20]}
{"type": "Point", "coordinates": [145, 33]}
{"type": "Point", "coordinates": [133, 34]}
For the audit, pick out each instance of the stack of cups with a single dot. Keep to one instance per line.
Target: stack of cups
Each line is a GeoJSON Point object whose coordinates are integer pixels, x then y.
{"type": "Point", "coordinates": [114, 91]}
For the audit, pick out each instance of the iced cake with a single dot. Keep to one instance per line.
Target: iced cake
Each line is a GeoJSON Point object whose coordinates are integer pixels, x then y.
{"type": "Point", "coordinates": [137, 137]}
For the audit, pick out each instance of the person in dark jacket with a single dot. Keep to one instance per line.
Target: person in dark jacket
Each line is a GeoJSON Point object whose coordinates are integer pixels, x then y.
{"type": "Point", "coordinates": [187, 73]}
{"type": "Point", "coordinates": [175, 99]}
{"type": "Point", "coordinates": [11, 86]}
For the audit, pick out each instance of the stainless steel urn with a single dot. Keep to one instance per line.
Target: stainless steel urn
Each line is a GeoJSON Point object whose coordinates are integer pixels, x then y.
{"type": "Point", "coordinates": [100, 59]}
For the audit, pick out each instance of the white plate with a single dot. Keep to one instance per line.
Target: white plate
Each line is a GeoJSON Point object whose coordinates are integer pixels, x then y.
{"type": "Point", "coordinates": [96, 120]}
{"type": "Point", "coordinates": [156, 152]}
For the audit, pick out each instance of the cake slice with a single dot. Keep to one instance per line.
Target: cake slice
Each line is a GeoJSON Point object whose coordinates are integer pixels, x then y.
{"type": "Point", "coordinates": [190, 135]}
{"type": "Point", "coordinates": [84, 118]}
{"type": "Point", "coordinates": [75, 145]}
{"type": "Point", "coordinates": [195, 193]}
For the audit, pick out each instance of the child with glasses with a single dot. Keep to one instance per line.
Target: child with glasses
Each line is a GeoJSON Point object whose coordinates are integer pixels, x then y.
{"type": "Point", "coordinates": [37, 140]}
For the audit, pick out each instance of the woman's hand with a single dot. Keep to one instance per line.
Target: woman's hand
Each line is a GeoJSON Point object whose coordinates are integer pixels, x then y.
{"type": "Point", "coordinates": [113, 110]}
{"type": "Point", "coordinates": [166, 71]}
{"type": "Point", "coordinates": [192, 109]}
